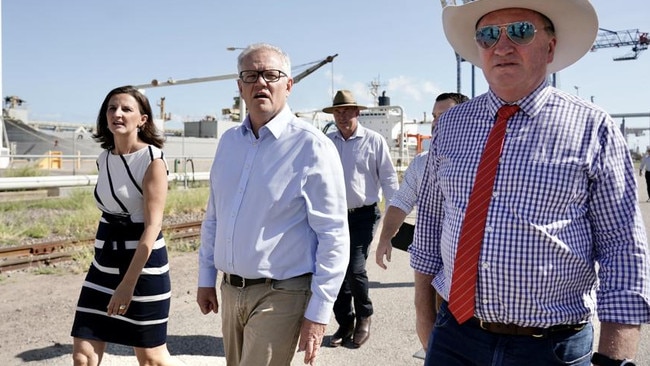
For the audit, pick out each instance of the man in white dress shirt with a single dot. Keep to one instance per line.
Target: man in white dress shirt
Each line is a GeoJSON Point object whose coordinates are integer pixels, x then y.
{"type": "Point", "coordinates": [275, 224]}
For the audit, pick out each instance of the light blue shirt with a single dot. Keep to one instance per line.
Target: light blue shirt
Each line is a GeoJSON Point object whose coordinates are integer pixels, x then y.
{"type": "Point", "coordinates": [407, 196]}
{"type": "Point", "coordinates": [564, 199]}
{"type": "Point", "coordinates": [645, 164]}
{"type": "Point", "coordinates": [367, 166]}
{"type": "Point", "coordinates": [277, 209]}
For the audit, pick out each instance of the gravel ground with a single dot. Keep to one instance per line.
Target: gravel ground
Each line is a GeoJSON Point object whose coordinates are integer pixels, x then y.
{"type": "Point", "coordinates": [37, 308]}
{"type": "Point", "coordinates": [36, 313]}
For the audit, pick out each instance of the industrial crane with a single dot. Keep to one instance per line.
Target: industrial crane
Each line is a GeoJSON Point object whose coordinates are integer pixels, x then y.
{"type": "Point", "coordinates": [296, 78]}
{"type": "Point", "coordinates": [242, 108]}
{"type": "Point", "coordinates": [632, 37]}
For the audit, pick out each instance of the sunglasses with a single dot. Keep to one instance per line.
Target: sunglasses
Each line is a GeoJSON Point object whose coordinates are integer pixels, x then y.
{"type": "Point", "coordinates": [521, 33]}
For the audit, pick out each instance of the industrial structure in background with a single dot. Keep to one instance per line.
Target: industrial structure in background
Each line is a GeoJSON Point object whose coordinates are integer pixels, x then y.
{"type": "Point", "coordinates": [4, 143]}
{"type": "Point", "coordinates": [57, 146]}
{"type": "Point", "coordinates": [632, 37]}
{"type": "Point", "coordinates": [237, 112]}
{"type": "Point", "coordinates": [638, 41]}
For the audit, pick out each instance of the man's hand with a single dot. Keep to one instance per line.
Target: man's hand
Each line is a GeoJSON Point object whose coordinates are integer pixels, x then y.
{"type": "Point", "coordinates": [311, 337]}
{"type": "Point", "coordinates": [393, 219]}
{"type": "Point", "coordinates": [206, 297]}
{"type": "Point", "coordinates": [384, 248]}
{"type": "Point", "coordinates": [425, 306]}
{"type": "Point", "coordinates": [619, 341]}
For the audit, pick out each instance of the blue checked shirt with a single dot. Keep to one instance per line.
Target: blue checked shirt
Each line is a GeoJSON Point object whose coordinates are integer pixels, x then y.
{"type": "Point", "coordinates": [565, 197]}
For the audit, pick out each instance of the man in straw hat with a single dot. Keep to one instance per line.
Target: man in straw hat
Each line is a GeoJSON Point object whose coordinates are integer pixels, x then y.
{"type": "Point", "coordinates": [528, 217]}
{"type": "Point", "coordinates": [367, 169]}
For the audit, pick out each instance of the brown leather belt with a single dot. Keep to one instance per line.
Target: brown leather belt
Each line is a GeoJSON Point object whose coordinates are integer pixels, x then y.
{"type": "Point", "coordinates": [513, 329]}
{"type": "Point", "coordinates": [241, 282]}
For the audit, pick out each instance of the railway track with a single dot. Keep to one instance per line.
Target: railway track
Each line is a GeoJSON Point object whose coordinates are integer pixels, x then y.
{"type": "Point", "coordinates": [32, 255]}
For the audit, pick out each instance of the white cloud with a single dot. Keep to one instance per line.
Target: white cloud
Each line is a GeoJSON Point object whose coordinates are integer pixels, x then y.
{"type": "Point", "coordinates": [405, 86]}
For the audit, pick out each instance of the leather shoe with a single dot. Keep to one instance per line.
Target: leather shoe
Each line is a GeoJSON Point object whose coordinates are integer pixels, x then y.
{"type": "Point", "coordinates": [361, 332]}
{"type": "Point", "coordinates": [344, 333]}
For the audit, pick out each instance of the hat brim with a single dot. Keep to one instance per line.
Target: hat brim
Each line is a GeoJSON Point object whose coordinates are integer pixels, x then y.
{"type": "Point", "coordinates": [575, 23]}
{"type": "Point", "coordinates": [332, 108]}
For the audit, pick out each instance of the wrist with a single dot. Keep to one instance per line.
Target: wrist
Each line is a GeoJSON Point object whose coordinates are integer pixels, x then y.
{"type": "Point", "coordinates": [599, 359]}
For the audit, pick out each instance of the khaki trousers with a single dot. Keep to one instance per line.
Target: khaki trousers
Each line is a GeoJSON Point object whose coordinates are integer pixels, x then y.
{"type": "Point", "coordinates": [261, 323]}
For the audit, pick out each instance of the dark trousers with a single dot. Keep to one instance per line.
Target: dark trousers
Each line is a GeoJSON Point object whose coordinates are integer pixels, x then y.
{"type": "Point", "coordinates": [451, 344]}
{"type": "Point", "coordinates": [647, 182]}
{"type": "Point", "coordinates": [362, 225]}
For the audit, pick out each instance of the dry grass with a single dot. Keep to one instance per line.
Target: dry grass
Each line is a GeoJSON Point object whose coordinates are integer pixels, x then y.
{"type": "Point", "coordinates": [75, 216]}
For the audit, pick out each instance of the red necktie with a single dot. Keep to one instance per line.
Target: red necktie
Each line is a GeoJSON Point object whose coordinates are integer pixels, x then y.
{"type": "Point", "coordinates": [463, 282]}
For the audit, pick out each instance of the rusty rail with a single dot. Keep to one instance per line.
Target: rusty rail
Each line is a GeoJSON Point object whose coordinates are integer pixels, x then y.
{"type": "Point", "coordinates": [31, 255]}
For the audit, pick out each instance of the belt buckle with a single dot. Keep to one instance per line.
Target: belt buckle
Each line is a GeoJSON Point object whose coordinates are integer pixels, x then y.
{"type": "Point", "coordinates": [538, 335]}
{"type": "Point", "coordinates": [580, 327]}
{"type": "Point", "coordinates": [480, 324]}
{"type": "Point", "coordinates": [243, 281]}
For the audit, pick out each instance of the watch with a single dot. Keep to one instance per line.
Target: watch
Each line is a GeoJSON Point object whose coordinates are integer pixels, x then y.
{"type": "Point", "coordinates": [600, 359]}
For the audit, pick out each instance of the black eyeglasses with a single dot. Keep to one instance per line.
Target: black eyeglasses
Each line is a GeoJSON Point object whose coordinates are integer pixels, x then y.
{"type": "Point", "coordinates": [270, 76]}
{"type": "Point", "coordinates": [521, 33]}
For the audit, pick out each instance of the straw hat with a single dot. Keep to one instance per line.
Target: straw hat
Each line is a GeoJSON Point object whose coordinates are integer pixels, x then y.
{"type": "Point", "coordinates": [575, 23]}
{"type": "Point", "coordinates": [343, 98]}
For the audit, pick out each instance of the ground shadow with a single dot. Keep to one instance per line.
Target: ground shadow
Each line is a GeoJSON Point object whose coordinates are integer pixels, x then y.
{"type": "Point", "coordinates": [194, 345]}
{"type": "Point", "coordinates": [375, 284]}
{"type": "Point", "coordinates": [45, 353]}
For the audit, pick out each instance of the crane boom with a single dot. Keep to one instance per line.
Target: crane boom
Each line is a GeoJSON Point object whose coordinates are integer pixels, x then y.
{"type": "Point", "coordinates": [305, 73]}
{"type": "Point", "coordinates": [155, 83]}
{"type": "Point", "coordinates": [632, 37]}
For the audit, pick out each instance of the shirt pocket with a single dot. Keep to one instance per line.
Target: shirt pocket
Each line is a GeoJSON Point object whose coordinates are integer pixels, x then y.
{"type": "Point", "coordinates": [548, 192]}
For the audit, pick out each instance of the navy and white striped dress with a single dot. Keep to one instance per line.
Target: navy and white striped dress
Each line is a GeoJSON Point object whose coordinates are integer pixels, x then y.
{"type": "Point", "coordinates": [118, 194]}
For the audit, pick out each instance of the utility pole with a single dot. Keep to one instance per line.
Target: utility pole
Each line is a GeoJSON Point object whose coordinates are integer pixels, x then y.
{"type": "Point", "coordinates": [4, 151]}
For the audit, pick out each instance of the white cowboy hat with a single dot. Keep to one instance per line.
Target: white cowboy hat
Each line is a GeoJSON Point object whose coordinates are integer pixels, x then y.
{"type": "Point", "coordinates": [575, 23]}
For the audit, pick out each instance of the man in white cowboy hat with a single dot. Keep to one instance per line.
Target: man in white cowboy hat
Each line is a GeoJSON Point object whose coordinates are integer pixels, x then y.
{"type": "Point", "coordinates": [368, 169]}
{"type": "Point", "coordinates": [528, 222]}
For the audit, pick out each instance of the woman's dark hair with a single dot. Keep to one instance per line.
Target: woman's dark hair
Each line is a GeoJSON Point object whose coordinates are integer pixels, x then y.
{"type": "Point", "coordinates": [147, 132]}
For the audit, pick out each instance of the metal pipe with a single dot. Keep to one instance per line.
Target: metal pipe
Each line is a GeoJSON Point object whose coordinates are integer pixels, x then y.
{"type": "Point", "coordinates": [18, 183]}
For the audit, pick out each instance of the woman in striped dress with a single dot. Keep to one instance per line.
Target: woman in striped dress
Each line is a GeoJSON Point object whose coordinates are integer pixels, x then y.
{"type": "Point", "coordinates": [126, 295]}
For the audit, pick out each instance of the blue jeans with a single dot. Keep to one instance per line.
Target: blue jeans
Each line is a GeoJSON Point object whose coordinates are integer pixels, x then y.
{"type": "Point", "coordinates": [451, 344]}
